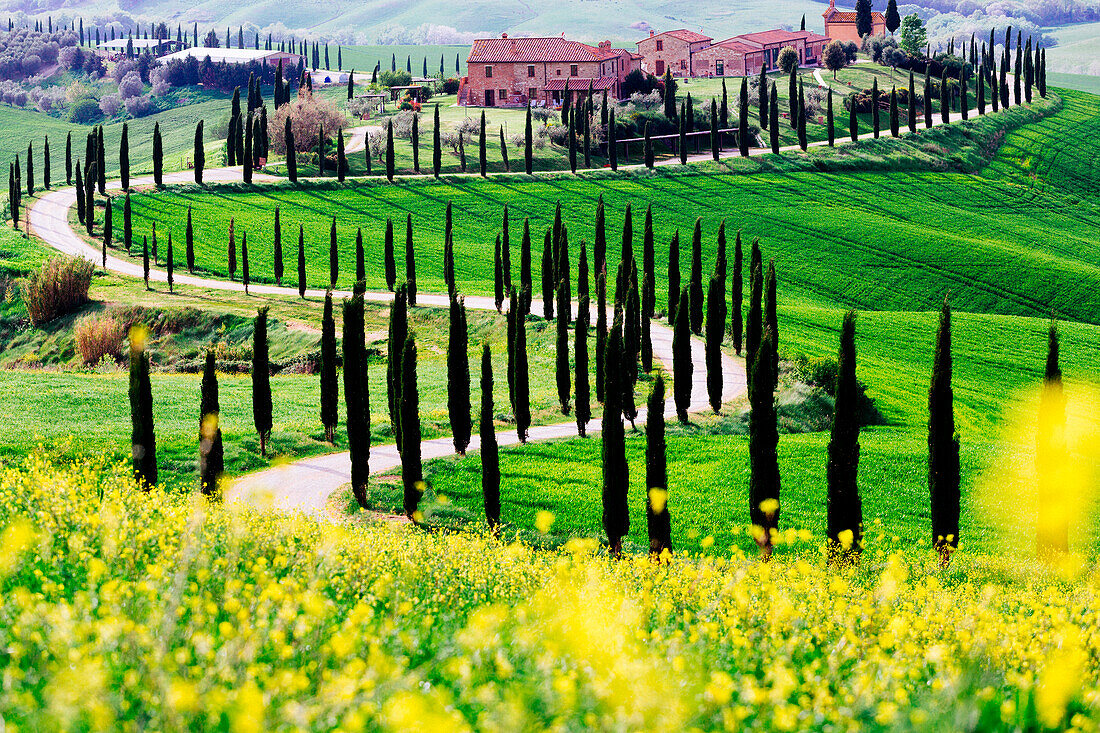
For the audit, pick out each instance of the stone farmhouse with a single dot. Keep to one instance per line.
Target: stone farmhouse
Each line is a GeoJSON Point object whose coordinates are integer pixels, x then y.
{"type": "Point", "coordinates": [686, 53]}
{"type": "Point", "coordinates": [841, 25]}
{"type": "Point", "coordinates": [517, 72]}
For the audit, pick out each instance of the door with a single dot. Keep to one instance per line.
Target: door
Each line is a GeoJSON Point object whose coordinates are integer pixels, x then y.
{"type": "Point", "coordinates": [489, 97]}
{"type": "Point", "coordinates": [720, 67]}
{"type": "Point", "coordinates": [660, 68]}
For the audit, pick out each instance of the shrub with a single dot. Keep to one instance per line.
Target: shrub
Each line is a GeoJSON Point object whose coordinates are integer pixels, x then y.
{"type": "Point", "coordinates": [130, 86]}
{"type": "Point", "coordinates": [31, 64]}
{"type": "Point", "coordinates": [122, 68]}
{"type": "Point", "coordinates": [98, 337]}
{"type": "Point", "coordinates": [110, 105]}
{"type": "Point", "coordinates": [139, 106]}
{"type": "Point", "coordinates": [639, 82]}
{"type": "Point", "coordinates": [399, 78]}
{"type": "Point", "coordinates": [159, 82]}
{"type": "Point", "coordinates": [306, 113]}
{"type": "Point", "coordinates": [84, 111]}
{"type": "Point", "coordinates": [58, 287]}
{"type": "Point", "coordinates": [450, 86]}
{"type": "Point", "coordinates": [788, 59]}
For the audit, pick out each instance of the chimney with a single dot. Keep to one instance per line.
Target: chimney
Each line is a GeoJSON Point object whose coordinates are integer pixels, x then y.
{"type": "Point", "coordinates": [651, 33]}
{"type": "Point", "coordinates": [503, 35]}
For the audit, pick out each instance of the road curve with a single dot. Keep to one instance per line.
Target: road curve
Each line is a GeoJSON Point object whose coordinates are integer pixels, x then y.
{"type": "Point", "coordinates": [306, 485]}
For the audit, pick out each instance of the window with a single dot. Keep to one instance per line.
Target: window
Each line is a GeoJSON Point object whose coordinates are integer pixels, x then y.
{"type": "Point", "coordinates": [660, 45]}
{"type": "Point", "coordinates": [573, 70]}
{"type": "Point", "coordinates": [503, 95]}
{"type": "Point", "coordinates": [530, 72]}
{"type": "Point", "coordinates": [532, 93]}
{"type": "Point", "coordinates": [559, 72]}
{"type": "Point", "coordinates": [720, 67]}
{"type": "Point", "coordinates": [683, 63]}
{"type": "Point", "coordinates": [488, 72]}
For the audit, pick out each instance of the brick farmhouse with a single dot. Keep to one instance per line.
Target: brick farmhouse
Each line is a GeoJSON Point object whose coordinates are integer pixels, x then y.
{"type": "Point", "coordinates": [522, 71]}
{"type": "Point", "coordinates": [686, 53]}
{"type": "Point", "coordinates": [841, 25]}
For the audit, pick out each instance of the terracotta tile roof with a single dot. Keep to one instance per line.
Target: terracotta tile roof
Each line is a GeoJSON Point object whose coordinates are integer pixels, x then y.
{"type": "Point", "coordinates": [836, 16]}
{"type": "Point", "coordinates": [810, 36]}
{"type": "Point", "coordinates": [769, 37]}
{"type": "Point", "coordinates": [684, 35]}
{"type": "Point", "coordinates": [578, 83]}
{"type": "Point", "coordinates": [738, 46]}
{"type": "Point", "coordinates": [530, 50]}
{"type": "Point", "coordinates": [609, 53]}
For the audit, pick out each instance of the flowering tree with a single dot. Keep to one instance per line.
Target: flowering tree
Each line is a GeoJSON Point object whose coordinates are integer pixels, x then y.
{"type": "Point", "coordinates": [306, 113]}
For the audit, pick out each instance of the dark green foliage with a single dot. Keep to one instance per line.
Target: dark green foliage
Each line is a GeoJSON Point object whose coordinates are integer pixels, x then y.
{"type": "Point", "coordinates": [928, 99]}
{"type": "Point", "coordinates": [389, 150]}
{"type": "Point", "coordinates": [481, 152]}
{"type": "Point", "coordinates": [792, 97]}
{"type": "Point", "coordinates": [143, 439]}
{"type": "Point", "coordinates": [246, 161]}
{"type": "Point", "coordinates": [548, 271]}
{"type": "Point", "coordinates": [830, 120]}
{"type": "Point", "coordinates": [658, 520]}
{"type": "Point", "coordinates": [244, 261]}
{"type": "Point", "coordinates": [843, 507]}
{"type": "Point", "coordinates": [278, 245]}
{"type": "Point", "coordinates": [895, 122]}
{"type": "Point", "coordinates": [342, 160]}
{"type": "Point", "coordinates": [528, 144]}
{"type": "Point", "coordinates": [765, 97]}
{"type": "Point", "coordinates": [490, 452]}
{"type": "Point", "coordinates": [716, 329]}
{"type": "Point", "coordinates": [876, 122]}
{"type": "Point", "coordinates": [737, 296]}
{"type": "Point", "coordinates": [330, 386]}
{"type": "Point", "coordinates": [145, 260]}
{"type": "Point", "coordinates": [601, 332]}
{"type": "Point", "coordinates": [291, 158]}
{"type": "Point", "coordinates": [943, 445]}
{"type": "Point", "coordinates": [695, 279]}
{"type": "Point", "coordinates": [714, 142]}
{"type": "Point", "coordinates": [802, 142]}
{"type": "Point", "coordinates": [505, 252]}
{"type": "Point", "coordinates": [498, 277]}
{"type": "Point", "coordinates": [599, 245]}
{"type": "Point", "coordinates": [764, 482]}
{"type": "Point", "coordinates": [301, 263]}
{"type": "Point", "coordinates": [562, 344]}
{"type": "Point", "coordinates": [448, 251]}
{"type": "Point", "coordinates": [512, 317]}
{"type": "Point", "coordinates": [123, 157]}
{"type": "Point", "coordinates": [673, 275]}
{"type": "Point", "coordinates": [631, 344]}
{"type": "Point", "coordinates": [682, 366]}
{"type": "Point", "coordinates": [648, 149]}
{"type": "Point", "coordinates": [169, 260]}
{"type": "Point", "coordinates": [864, 21]}
{"type": "Point", "coordinates": [390, 261]}
{"type": "Point", "coordinates": [616, 472]}
{"type": "Point", "coordinates": [199, 153]}
{"type": "Point", "coordinates": [771, 317]}
{"type": "Point", "coordinates": [357, 398]}
{"type": "Point", "coordinates": [754, 322]}
{"type": "Point", "coordinates": [669, 87]}
{"type": "Point", "coordinates": [412, 470]}
{"type": "Point", "coordinates": [410, 262]}
{"type": "Point", "coordinates": [773, 125]}
{"type": "Point", "coordinates": [398, 331]}
{"type": "Point", "coordinates": [912, 116]}
{"type": "Point", "coordinates": [360, 261]}
{"type": "Point", "coordinates": [211, 452]}
{"type": "Point", "coordinates": [69, 159]}
{"type": "Point", "coordinates": [333, 255]}
{"type": "Point", "coordinates": [945, 102]}
{"type": "Point", "coordinates": [681, 143]}
{"type": "Point", "coordinates": [743, 119]}
{"type": "Point", "coordinates": [612, 142]}
{"type": "Point", "coordinates": [261, 380]}
{"type": "Point", "coordinates": [582, 399]}
{"type": "Point", "coordinates": [522, 380]}
{"type": "Point", "coordinates": [437, 146]}
{"type": "Point", "coordinates": [458, 377]}
{"type": "Point", "coordinates": [525, 280]}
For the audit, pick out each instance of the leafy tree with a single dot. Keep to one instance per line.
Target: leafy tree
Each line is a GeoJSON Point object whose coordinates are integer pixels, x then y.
{"type": "Point", "coordinates": [490, 452]}
{"type": "Point", "coordinates": [943, 445]}
{"type": "Point", "coordinates": [787, 60]}
{"type": "Point", "coordinates": [458, 376]}
{"type": "Point", "coordinates": [844, 509]}
{"type": "Point", "coordinates": [211, 453]}
{"type": "Point", "coordinates": [616, 472]}
{"type": "Point", "coordinates": [834, 57]}
{"type": "Point", "coordinates": [764, 481]}
{"type": "Point", "coordinates": [261, 380]}
{"type": "Point", "coordinates": [914, 37]}
{"type": "Point", "coordinates": [143, 439]}
{"type": "Point", "coordinates": [656, 474]}
{"type": "Point", "coordinates": [682, 367]}
{"type": "Point", "coordinates": [669, 95]}
{"type": "Point", "coordinates": [330, 386]}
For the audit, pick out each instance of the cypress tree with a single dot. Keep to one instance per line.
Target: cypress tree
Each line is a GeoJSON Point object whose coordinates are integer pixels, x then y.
{"type": "Point", "coordinates": [506, 251]}
{"type": "Point", "coordinates": [278, 244]}
{"type": "Point", "coordinates": [512, 317]}
{"type": "Point", "coordinates": [301, 263]}
{"type": "Point", "coordinates": [853, 122]}
{"type": "Point", "coordinates": [199, 153]}
{"type": "Point", "coordinates": [601, 332]}
{"type": "Point", "coordinates": [145, 260]}
{"type": "Point", "coordinates": [462, 152]}
{"type": "Point", "coordinates": [481, 152]}
{"type": "Point", "coordinates": [682, 140]}
{"type": "Point", "coordinates": [844, 509]}
{"type": "Point", "coordinates": [695, 281]}
{"type": "Point", "coordinates": [143, 439]}
{"type": "Point", "coordinates": [291, 159]}
{"type": "Point", "coordinates": [410, 262]}
{"type": "Point", "coordinates": [737, 296]}
{"type": "Point", "coordinates": [582, 399]}
{"type": "Point", "coordinates": [261, 380]}
{"type": "Point", "coordinates": [928, 97]}
{"type": "Point", "coordinates": [330, 386]}
{"type": "Point", "coordinates": [771, 318]}
{"type": "Point", "coordinates": [648, 149]}
{"type": "Point", "coordinates": [599, 246]}
{"type": "Point", "coordinates": [616, 472]}
{"type": "Point", "coordinates": [127, 219]}
{"type": "Point", "coordinates": [830, 120]}
{"type": "Point", "coordinates": [765, 97]}
{"type": "Point", "coordinates": [69, 159]}
{"type": "Point", "coordinates": [802, 143]}
{"type": "Point", "coordinates": [231, 249]}
{"type": "Point", "coordinates": [341, 158]}
{"type": "Point", "coordinates": [943, 446]}
{"type": "Point", "coordinates": [458, 376]}
{"type": "Point", "coordinates": [716, 329]}
{"type": "Point", "coordinates": [211, 453]}
{"type": "Point", "coordinates": [124, 157]}
{"type": "Point", "coordinates": [764, 482]}
{"type": "Point", "coordinates": [876, 124]}
{"type": "Point", "coordinates": [754, 322]}
{"type": "Point", "coordinates": [773, 125]}
{"type": "Point", "coordinates": [169, 261]}
{"type": "Point", "coordinates": [437, 145]}
{"type": "Point", "coordinates": [572, 135]}
{"type": "Point", "coordinates": [490, 453]}
{"type": "Point", "coordinates": [158, 156]}
{"type": "Point", "coordinates": [89, 203]}
{"type": "Point", "coordinates": [398, 331]}
{"type": "Point", "coordinates": [356, 398]}
{"type": "Point", "coordinates": [631, 344]}
{"type": "Point", "coordinates": [389, 150]}
{"type": "Point", "coordinates": [911, 118]}
{"type": "Point", "coordinates": [504, 151]}
{"type": "Point", "coordinates": [612, 142]}
{"type": "Point", "coordinates": [525, 280]}
{"type": "Point", "coordinates": [945, 101]}
{"type": "Point", "coordinates": [522, 381]}
{"type": "Point", "coordinates": [656, 474]}
{"type": "Point", "coordinates": [895, 126]}
{"type": "Point", "coordinates": [46, 156]}
{"type": "Point", "coordinates": [682, 367]}
{"type": "Point", "coordinates": [1050, 455]}
{"type": "Point", "coordinates": [714, 143]}
{"type": "Point", "coordinates": [548, 268]}
{"type": "Point", "coordinates": [360, 262]}
{"type": "Point", "coordinates": [562, 347]}
{"type": "Point", "coordinates": [246, 161]}
{"type": "Point", "coordinates": [981, 92]}
{"type": "Point", "coordinates": [673, 275]}
{"type": "Point", "coordinates": [244, 261]}
{"type": "Point", "coordinates": [498, 277]}
{"type": "Point", "coordinates": [669, 90]}
{"type": "Point", "coordinates": [390, 261]}
{"type": "Point", "coordinates": [333, 255]}
{"type": "Point", "coordinates": [414, 142]}
{"type": "Point", "coordinates": [528, 145]}
{"type": "Point", "coordinates": [964, 102]}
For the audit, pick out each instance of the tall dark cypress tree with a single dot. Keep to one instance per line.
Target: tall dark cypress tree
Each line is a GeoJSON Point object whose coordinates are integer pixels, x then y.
{"type": "Point", "coordinates": [681, 143]}
{"type": "Point", "coordinates": [673, 275]}
{"type": "Point", "coordinates": [754, 321]}
{"type": "Point", "coordinates": [458, 376]}
{"type": "Point", "coordinates": [389, 150]}
{"type": "Point", "coordinates": [356, 398]}
{"type": "Point", "coordinates": [388, 256]}
{"type": "Point", "coordinates": [158, 156]}
{"type": "Point", "coordinates": [1052, 536]}
{"type": "Point", "coordinates": [341, 158]}
{"type": "Point", "coordinates": [412, 471]}
{"type": "Point", "coordinates": [682, 367]}
{"type": "Point", "coordinates": [481, 151]}
{"type": "Point", "coordinates": [743, 119]}
{"type": "Point", "coordinates": [414, 142]}
{"type": "Point", "coordinates": [211, 453]}
{"type": "Point", "coordinates": [490, 453]}
{"type": "Point", "coordinates": [145, 260]}
{"type": "Point", "coordinates": [291, 158]}
{"type": "Point", "coordinates": [715, 143]}
{"type": "Point", "coordinates": [301, 263]}
{"type": "Point", "coordinates": [437, 145]}
{"type": "Point", "coordinates": [124, 157]}
{"type": "Point", "coordinates": [561, 371]}
{"type": "Point", "coordinates": [199, 153]}
{"type": "Point", "coordinates": [876, 123]}
{"type": "Point", "coordinates": [522, 381]}
{"type": "Point", "coordinates": [695, 279]}
{"type": "Point", "coordinates": [771, 317]}
{"type": "Point", "coordinates": [333, 255]}
{"type": "Point", "coordinates": [764, 482]}
{"type": "Point", "coordinates": [261, 380]}
{"type": "Point", "coordinates": [277, 237]}
{"type": "Point", "coordinates": [525, 282]}
{"type": "Point", "coordinates": [773, 124]}
{"type": "Point", "coordinates": [244, 259]}
{"type": "Point", "coordinates": [582, 399]}
{"type": "Point", "coordinates": [528, 145]}
{"type": "Point", "coordinates": [943, 446]}
{"type": "Point", "coordinates": [737, 296]}
{"type": "Point", "coordinates": [911, 117]}
{"type": "Point", "coordinates": [616, 473]}
{"type": "Point", "coordinates": [647, 150]}
{"type": "Point", "coordinates": [843, 506]}
{"type": "Point", "coordinates": [398, 331]}
{"type": "Point", "coordinates": [506, 251]}
{"type": "Point", "coordinates": [498, 277]}
{"type": "Point", "coordinates": [330, 385]}
{"type": "Point", "coordinates": [656, 474]}
{"type": "Point", "coordinates": [612, 142]}
{"type": "Point", "coordinates": [548, 271]}
{"type": "Point", "coordinates": [895, 121]}
{"type": "Point", "coordinates": [599, 244]}
{"type": "Point", "coordinates": [928, 97]}
{"type": "Point", "coordinates": [143, 439]}
{"type": "Point", "coordinates": [601, 332]}
{"type": "Point", "coordinates": [410, 262]}
{"type": "Point", "coordinates": [69, 159]}
{"type": "Point", "coordinates": [716, 329]}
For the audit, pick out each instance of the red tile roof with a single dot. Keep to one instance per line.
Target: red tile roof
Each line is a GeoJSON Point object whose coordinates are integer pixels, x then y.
{"type": "Point", "coordinates": [736, 45]}
{"type": "Point", "coordinates": [577, 83]}
{"type": "Point", "coordinates": [836, 16]}
{"type": "Point", "coordinates": [810, 36]}
{"type": "Point", "coordinates": [769, 37]}
{"type": "Point", "coordinates": [531, 50]}
{"type": "Point", "coordinates": [684, 35]}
